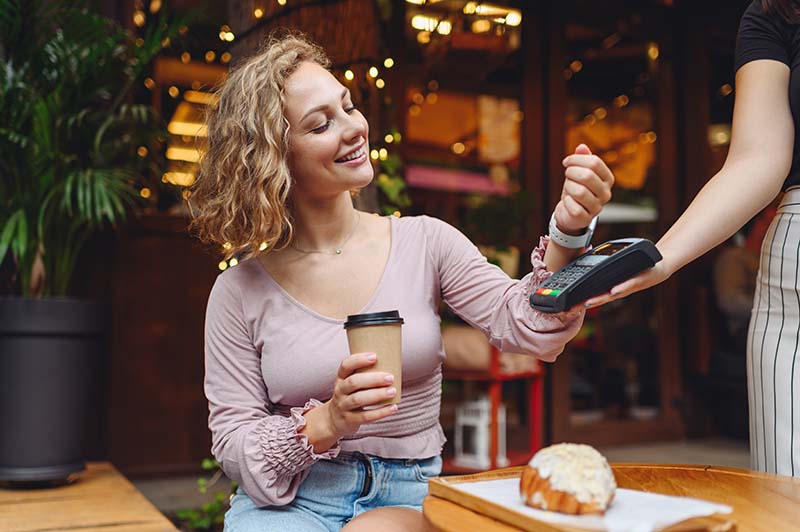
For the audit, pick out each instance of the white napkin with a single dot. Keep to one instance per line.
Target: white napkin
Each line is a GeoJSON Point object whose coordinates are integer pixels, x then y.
{"type": "Point", "coordinates": [631, 511]}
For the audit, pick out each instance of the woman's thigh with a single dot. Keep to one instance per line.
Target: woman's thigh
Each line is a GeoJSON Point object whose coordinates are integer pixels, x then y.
{"type": "Point", "coordinates": [389, 520]}
{"type": "Point", "coordinates": [245, 516]}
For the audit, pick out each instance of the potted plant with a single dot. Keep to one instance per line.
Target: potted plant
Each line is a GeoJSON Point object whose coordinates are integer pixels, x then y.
{"type": "Point", "coordinates": [69, 134]}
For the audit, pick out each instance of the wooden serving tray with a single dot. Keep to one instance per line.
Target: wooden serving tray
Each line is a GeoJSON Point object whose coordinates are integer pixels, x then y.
{"type": "Point", "coordinates": [443, 488]}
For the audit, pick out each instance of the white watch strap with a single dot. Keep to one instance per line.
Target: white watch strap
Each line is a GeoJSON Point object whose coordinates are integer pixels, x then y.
{"type": "Point", "coordinates": [569, 241]}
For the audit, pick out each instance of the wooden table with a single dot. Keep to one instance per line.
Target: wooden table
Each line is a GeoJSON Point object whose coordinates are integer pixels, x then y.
{"type": "Point", "coordinates": [99, 500]}
{"type": "Point", "coordinates": [761, 502]}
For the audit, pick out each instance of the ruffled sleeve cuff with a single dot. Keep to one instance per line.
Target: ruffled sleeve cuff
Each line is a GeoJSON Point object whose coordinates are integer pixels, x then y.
{"type": "Point", "coordinates": [284, 447]}
{"type": "Point", "coordinates": [539, 274]}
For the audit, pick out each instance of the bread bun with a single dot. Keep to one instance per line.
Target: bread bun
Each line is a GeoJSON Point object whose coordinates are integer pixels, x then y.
{"type": "Point", "coordinates": [569, 478]}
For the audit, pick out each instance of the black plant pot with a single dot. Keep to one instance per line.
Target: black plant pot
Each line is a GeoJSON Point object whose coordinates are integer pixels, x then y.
{"type": "Point", "coordinates": [49, 351]}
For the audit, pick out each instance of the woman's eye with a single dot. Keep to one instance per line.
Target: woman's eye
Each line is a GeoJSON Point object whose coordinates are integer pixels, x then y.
{"type": "Point", "coordinates": [350, 109]}
{"type": "Point", "coordinates": [322, 128]}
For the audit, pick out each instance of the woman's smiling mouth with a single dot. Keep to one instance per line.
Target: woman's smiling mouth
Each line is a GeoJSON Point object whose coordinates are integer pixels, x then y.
{"type": "Point", "coordinates": [355, 155]}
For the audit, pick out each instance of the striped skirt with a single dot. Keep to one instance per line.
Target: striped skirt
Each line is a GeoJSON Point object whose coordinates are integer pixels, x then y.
{"type": "Point", "coordinates": [773, 343]}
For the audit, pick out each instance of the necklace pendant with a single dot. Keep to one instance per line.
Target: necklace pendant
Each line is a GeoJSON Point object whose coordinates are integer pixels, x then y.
{"type": "Point", "coordinates": [338, 251]}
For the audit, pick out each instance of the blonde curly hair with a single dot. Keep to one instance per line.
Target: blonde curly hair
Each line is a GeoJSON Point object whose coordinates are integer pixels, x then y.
{"type": "Point", "coordinates": [239, 199]}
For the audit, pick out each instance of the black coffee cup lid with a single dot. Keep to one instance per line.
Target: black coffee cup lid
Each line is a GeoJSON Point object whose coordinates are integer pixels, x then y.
{"type": "Point", "coordinates": [373, 318]}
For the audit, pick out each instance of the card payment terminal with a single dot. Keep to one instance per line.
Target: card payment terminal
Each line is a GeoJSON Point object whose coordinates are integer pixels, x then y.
{"type": "Point", "coordinates": [595, 272]}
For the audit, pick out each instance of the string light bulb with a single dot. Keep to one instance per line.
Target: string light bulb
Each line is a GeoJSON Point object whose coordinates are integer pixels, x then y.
{"type": "Point", "coordinates": [652, 51]}
{"type": "Point", "coordinates": [348, 75]}
{"type": "Point", "coordinates": [380, 83]}
{"type": "Point", "coordinates": [258, 12]}
{"type": "Point", "coordinates": [388, 62]}
{"type": "Point", "coordinates": [444, 27]}
{"type": "Point", "coordinates": [373, 72]}
{"type": "Point", "coordinates": [514, 18]}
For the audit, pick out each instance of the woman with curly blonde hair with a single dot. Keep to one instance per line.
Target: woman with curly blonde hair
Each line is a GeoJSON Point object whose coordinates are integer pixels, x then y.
{"type": "Point", "coordinates": [292, 420]}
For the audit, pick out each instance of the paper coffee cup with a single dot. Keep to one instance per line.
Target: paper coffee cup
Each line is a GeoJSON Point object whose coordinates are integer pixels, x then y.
{"type": "Point", "coordinates": [379, 333]}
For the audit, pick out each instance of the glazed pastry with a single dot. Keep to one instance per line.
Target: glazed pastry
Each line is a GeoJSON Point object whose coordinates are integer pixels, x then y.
{"type": "Point", "coordinates": [569, 478]}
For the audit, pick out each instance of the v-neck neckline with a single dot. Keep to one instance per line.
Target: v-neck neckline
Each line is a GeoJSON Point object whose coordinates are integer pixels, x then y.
{"type": "Point", "coordinates": [302, 306]}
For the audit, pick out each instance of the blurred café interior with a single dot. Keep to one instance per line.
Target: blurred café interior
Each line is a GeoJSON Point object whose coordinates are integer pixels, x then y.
{"type": "Point", "coordinates": [472, 107]}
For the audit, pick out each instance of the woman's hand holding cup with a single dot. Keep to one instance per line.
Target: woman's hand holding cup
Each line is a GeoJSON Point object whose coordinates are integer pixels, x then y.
{"type": "Point", "coordinates": [344, 412]}
{"type": "Point", "coordinates": [354, 391]}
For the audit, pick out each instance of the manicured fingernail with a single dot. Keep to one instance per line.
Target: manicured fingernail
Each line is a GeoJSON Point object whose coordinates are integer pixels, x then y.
{"type": "Point", "coordinates": [393, 408]}
{"type": "Point", "coordinates": [372, 357]}
{"type": "Point", "coordinates": [564, 162]}
{"type": "Point", "coordinates": [391, 391]}
{"type": "Point", "coordinates": [389, 378]}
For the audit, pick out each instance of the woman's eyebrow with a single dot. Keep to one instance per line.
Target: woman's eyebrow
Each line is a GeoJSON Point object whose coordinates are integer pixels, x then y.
{"type": "Point", "coordinates": [323, 106]}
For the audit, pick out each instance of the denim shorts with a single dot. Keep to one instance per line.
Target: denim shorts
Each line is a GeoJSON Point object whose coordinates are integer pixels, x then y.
{"type": "Point", "coordinates": [336, 491]}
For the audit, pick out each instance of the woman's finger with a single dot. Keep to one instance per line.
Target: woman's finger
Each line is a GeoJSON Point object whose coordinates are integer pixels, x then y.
{"type": "Point", "coordinates": [578, 216]}
{"type": "Point", "coordinates": [369, 397]}
{"type": "Point", "coordinates": [583, 196]}
{"type": "Point", "coordinates": [592, 162]}
{"type": "Point", "coordinates": [375, 414]}
{"type": "Point", "coordinates": [365, 381]}
{"type": "Point", "coordinates": [354, 362]}
{"type": "Point", "coordinates": [587, 178]}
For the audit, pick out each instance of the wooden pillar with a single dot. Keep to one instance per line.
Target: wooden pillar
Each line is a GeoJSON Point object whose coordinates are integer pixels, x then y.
{"type": "Point", "coordinates": [534, 156]}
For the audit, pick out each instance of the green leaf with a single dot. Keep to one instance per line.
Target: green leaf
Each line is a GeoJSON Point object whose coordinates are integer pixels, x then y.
{"type": "Point", "coordinates": [20, 243]}
{"type": "Point", "coordinates": [204, 523]}
{"type": "Point", "coordinates": [9, 230]}
{"type": "Point", "coordinates": [209, 463]}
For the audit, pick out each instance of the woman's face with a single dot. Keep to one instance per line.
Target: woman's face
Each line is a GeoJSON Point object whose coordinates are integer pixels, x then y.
{"type": "Point", "coordinates": [328, 147]}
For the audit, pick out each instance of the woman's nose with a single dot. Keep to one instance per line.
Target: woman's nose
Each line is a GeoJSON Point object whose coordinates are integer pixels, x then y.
{"type": "Point", "coordinates": [355, 126]}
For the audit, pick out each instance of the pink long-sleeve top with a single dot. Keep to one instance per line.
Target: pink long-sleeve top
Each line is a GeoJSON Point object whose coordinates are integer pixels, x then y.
{"type": "Point", "coordinates": [269, 358]}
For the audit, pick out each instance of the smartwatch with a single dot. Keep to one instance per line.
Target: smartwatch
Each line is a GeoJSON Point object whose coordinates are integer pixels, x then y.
{"type": "Point", "coordinates": [570, 241]}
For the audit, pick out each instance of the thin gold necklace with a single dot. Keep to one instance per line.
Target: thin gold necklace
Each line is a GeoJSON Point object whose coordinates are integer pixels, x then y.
{"type": "Point", "coordinates": [338, 249]}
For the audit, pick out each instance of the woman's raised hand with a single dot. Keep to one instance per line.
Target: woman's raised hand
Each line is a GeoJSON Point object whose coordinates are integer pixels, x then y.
{"type": "Point", "coordinates": [587, 187]}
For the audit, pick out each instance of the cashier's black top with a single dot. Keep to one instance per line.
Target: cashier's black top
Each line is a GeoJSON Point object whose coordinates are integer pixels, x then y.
{"type": "Point", "coordinates": [768, 36]}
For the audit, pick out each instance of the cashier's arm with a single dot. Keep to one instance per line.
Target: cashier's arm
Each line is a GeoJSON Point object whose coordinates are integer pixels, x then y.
{"type": "Point", "coordinates": [758, 162]}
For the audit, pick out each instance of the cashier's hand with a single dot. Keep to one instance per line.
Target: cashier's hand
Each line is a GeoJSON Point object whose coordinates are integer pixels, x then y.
{"type": "Point", "coordinates": [587, 188]}
{"type": "Point", "coordinates": [657, 274]}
